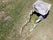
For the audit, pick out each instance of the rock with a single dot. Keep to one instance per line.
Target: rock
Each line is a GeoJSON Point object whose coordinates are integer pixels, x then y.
{"type": "Point", "coordinates": [2, 14]}
{"type": "Point", "coordinates": [7, 19]}
{"type": "Point", "coordinates": [5, 1]}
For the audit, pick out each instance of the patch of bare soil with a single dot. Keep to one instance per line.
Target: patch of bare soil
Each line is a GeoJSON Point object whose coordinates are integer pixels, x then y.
{"type": "Point", "coordinates": [44, 30]}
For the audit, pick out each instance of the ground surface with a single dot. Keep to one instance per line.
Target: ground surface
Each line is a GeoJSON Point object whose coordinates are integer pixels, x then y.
{"type": "Point", "coordinates": [13, 15]}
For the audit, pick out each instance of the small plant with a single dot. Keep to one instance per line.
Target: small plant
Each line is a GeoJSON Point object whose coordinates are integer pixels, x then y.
{"type": "Point", "coordinates": [35, 18]}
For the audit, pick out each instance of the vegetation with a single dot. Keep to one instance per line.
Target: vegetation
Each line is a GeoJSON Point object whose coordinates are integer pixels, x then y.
{"type": "Point", "coordinates": [17, 10]}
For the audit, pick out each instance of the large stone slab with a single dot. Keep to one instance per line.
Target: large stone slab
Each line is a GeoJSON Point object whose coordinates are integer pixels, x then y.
{"type": "Point", "coordinates": [41, 7]}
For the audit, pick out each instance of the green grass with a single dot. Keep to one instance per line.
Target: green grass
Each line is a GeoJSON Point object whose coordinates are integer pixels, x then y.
{"type": "Point", "coordinates": [13, 9]}
{"type": "Point", "coordinates": [35, 18]}
{"type": "Point", "coordinates": [13, 12]}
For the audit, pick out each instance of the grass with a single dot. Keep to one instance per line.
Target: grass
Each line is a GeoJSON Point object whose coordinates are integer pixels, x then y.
{"type": "Point", "coordinates": [35, 18]}
{"type": "Point", "coordinates": [13, 9]}
{"type": "Point", "coordinates": [16, 9]}
{"type": "Point", "coordinates": [4, 30]}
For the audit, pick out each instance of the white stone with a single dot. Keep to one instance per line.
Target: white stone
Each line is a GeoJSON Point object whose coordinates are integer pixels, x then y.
{"type": "Point", "coordinates": [41, 7]}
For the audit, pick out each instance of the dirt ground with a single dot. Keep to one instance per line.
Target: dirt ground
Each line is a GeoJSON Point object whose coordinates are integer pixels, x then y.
{"type": "Point", "coordinates": [44, 30]}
